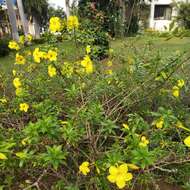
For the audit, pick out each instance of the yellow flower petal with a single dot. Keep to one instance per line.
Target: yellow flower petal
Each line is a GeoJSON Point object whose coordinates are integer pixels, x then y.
{"type": "Point", "coordinates": [86, 164]}
{"type": "Point", "coordinates": [128, 176]}
{"type": "Point", "coordinates": [133, 167]}
{"type": "Point", "coordinates": [175, 91]}
{"type": "Point", "coordinates": [180, 83]}
{"type": "Point", "coordinates": [84, 168]}
{"type": "Point", "coordinates": [126, 126]}
{"type": "Point", "coordinates": [55, 24]}
{"type": "Point", "coordinates": [24, 107]}
{"type": "Point", "coordinates": [159, 123]}
{"type": "Point", "coordinates": [111, 178]}
{"type": "Point", "coordinates": [113, 170]}
{"type": "Point", "coordinates": [187, 141]}
{"type": "Point", "coordinates": [3, 156]}
{"type": "Point", "coordinates": [121, 184]}
{"type": "Point", "coordinates": [123, 168]}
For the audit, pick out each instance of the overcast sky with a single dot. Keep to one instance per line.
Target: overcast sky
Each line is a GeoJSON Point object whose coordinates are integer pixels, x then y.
{"type": "Point", "coordinates": [57, 3]}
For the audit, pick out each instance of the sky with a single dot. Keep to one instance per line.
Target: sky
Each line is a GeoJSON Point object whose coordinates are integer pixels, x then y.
{"type": "Point", "coordinates": [60, 3]}
{"type": "Point", "coordinates": [1, 1]}
{"type": "Point", "coordinates": [56, 3]}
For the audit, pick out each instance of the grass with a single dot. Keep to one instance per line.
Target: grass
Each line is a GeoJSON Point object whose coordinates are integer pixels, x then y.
{"type": "Point", "coordinates": [167, 46]}
{"type": "Point", "coordinates": [6, 63]}
{"type": "Point", "coordinates": [67, 48]}
{"type": "Point", "coordinates": [120, 46]}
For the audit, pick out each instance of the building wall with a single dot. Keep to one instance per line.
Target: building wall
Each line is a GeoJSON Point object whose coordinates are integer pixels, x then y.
{"type": "Point", "coordinates": [4, 23]}
{"type": "Point", "coordinates": [162, 25]}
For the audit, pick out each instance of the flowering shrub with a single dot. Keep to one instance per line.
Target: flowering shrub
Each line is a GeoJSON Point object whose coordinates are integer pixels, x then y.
{"type": "Point", "coordinates": [86, 124]}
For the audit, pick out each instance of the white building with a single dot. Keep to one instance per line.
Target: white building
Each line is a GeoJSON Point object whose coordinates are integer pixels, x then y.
{"type": "Point", "coordinates": [162, 13]}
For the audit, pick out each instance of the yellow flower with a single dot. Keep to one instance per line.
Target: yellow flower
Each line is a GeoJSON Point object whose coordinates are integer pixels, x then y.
{"type": "Point", "coordinates": [37, 54]}
{"type": "Point", "coordinates": [181, 126]}
{"type": "Point", "coordinates": [119, 175]}
{"type": "Point", "coordinates": [133, 167]}
{"type": "Point", "coordinates": [24, 141]}
{"type": "Point", "coordinates": [24, 107]}
{"type": "Point", "coordinates": [126, 126]}
{"type": "Point", "coordinates": [13, 45]}
{"type": "Point", "coordinates": [16, 83]}
{"type": "Point", "coordinates": [84, 168]}
{"type": "Point", "coordinates": [175, 91]}
{"type": "Point", "coordinates": [109, 72]}
{"type": "Point", "coordinates": [159, 123]}
{"type": "Point", "coordinates": [3, 156]}
{"type": "Point", "coordinates": [187, 141]}
{"type": "Point", "coordinates": [20, 60]}
{"type": "Point", "coordinates": [14, 72]}
{"type": "Point", "coordinates": [22, 39]}
{"type": "Point", "coordinates": [144, 141]}
{"type": "Point", "coordinates": [87, 64]}
{"type": "Point", "coordinates": [109, 63]}
{"type": "Point", "coordinates": [180, 83]}
{"type": "Point", "coordinates": [52, 55]}
{"type": "Point", "coordinates": [88, 49]}
{"type": "Point", "coordinates": [55, 24]}
{"type": "Point", "coordinates": [18, 91]}
{"type": "Point", "coordinates": [52, 71]}
{"type": "Point", "coordinates": [72, 22]}
{"type": "Point", "coordinates": [29, 37]}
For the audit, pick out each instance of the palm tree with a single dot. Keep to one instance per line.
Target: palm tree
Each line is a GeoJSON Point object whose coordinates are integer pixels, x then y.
{"type": "Point", "coordinates": [22, 16]}
{"type": "Point", "coordinates": [67, 3]}
{"type": "Point", "coordinates": [12, 20]}
{"type": "Point", "coordinates": [36, 11]}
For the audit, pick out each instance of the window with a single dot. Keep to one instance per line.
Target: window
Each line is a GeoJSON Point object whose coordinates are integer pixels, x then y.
{"type": "Point", "coordinates": [162, 12]}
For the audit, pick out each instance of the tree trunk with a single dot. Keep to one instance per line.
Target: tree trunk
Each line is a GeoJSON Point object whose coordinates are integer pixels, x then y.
{"type": "Point", "coordinates": [12, 20]}
{"type": "Point", "coordinates": [36, 28]}
{"type": "Point", "coordinates": [122, 17]}
{"type": "Point", "coordinates": [67, 3]}
{"type": "Point", "coordinates": [132, 9]}
{"type": "Point", "coordinates": [23, 16]}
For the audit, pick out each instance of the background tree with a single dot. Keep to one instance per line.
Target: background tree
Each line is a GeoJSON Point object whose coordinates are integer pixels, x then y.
{"type": "Point", "coordinates": [184, 15]}
{"type": "Point", "coordinates": [121, 17]}
{"type": "Point", "coordinates": [22, 16]}
{"type": "Point", "coordinates": [12, 20]}
{"type": "Point", "coordinates": [59, 12]}
{"type": "Point", "coordinates": [67, 3]}
{"type": "Point", "coordinates": [37, 12]}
